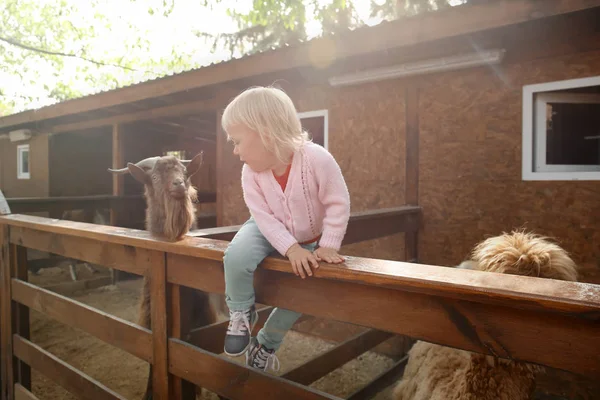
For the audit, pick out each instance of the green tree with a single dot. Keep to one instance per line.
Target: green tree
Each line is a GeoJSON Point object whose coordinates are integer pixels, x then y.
{"type": "Point", "coordinates": [275, 23]}
{"type": "Point", "coordinates": [53, 50]}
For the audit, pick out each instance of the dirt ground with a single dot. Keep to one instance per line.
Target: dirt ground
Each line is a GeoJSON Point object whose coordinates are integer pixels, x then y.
{"type": "Point", "coordinates": [126, 375]}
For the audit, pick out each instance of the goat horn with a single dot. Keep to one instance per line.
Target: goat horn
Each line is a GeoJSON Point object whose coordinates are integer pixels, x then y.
{"type": "Point", "coordinates": [186, 162]}
{"type": "Point", "coordinates": [145, 163]}
{"type": "Point", "coordinates": [121, 171]}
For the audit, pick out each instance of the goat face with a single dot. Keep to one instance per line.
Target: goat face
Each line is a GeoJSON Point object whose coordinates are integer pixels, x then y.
{"type": "Point", "coordinates": [165, 176]}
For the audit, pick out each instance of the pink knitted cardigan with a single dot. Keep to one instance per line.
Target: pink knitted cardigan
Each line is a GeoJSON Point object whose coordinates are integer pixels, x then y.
{"type": "Point", "coordinates": [315, 201]}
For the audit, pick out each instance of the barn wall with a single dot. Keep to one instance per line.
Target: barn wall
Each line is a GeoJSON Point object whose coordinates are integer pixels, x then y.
{"type": "Point", "coordinates": [470, 164]}
{"type": "Point", "coordinates": [78, 163]}
{"type": "Point", "coordinates": [37, 185]}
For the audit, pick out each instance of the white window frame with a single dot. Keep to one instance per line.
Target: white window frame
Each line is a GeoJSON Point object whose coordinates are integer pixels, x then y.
{"type": "Point", "coordinates": [325, 115]}
{"type": "Point", "coordinates": [535, 99]}
{"type": "Point", "coordinates": [22, 148]}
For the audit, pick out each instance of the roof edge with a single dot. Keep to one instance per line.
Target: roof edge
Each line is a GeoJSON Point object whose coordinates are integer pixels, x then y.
{"type": "Point", "coordinates": [411, 31]}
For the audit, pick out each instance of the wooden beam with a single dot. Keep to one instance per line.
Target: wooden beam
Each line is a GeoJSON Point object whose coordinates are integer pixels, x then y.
{"type": "Point", "coordinates": [168, 111]}
{"type": "Point", "coordinates": [118, 161]}
{"type": "Point", "coordinates": [220, 161]}
{"type": "Point", "coordinates": [121, 257]}
{"type": "Point", "coordinates": [322, 364]}
{"type": "Point", "coordinates": [231, 380]}
{"type": "Point", "coordinates": [437, 312]}
{"type": "Point", "coordinates": [8, 373]}
{"type": "Point", "coordinates": [23, 394]}
{"type": "Point", "coordinates": [158, 311]}
{"type": "Point", "coordinates": [382, 381]}
{"type": "Point", "coordinates": [37, 204]}
{"type": "Point", "coordinates": [68, 288]}
{"type": "Point", "coordinates": [521, 291]}
{"type": "Point", "coordinates": [364, 225]}
{"type": "Point", "coordinates": [180, 310]}
{"type": "Point", "coordinates": [21, 313]}
{"type": "Point", "coordinates": [108, 328]}
{"type": "Point", "coordinates": [81, 385]}
{"type": "Point", "coordinates": [455, 21]}
{"type": "Point", "coordinates": [411, 191]}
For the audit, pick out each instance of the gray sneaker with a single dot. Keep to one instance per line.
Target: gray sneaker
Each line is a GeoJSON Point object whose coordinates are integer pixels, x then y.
{"type": "Point", "coordinates": [239, 330]}
{"type": "Point", "coordinates": [261, 357]}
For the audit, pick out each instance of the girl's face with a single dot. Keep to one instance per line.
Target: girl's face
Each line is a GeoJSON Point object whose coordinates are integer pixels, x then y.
{"type": "Point", "coordinates": [250, 149]}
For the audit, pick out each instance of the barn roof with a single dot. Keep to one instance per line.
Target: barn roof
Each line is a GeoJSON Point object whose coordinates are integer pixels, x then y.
{"type": "Point", "coordinates": [200, 87]}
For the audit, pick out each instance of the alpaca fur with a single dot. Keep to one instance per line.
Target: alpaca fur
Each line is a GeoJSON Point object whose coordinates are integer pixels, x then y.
{"type": "Point", "coordinates": [170, 214]}
{"type": "Point", "coordinates": [435, 372]}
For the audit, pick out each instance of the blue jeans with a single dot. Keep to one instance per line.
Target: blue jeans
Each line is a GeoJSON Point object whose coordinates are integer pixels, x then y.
{"type": "Point", "coordinates": [247, 249]}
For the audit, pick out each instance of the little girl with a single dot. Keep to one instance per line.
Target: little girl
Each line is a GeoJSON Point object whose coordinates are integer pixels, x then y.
{"type": "Point", "coordinates": [297, 198]}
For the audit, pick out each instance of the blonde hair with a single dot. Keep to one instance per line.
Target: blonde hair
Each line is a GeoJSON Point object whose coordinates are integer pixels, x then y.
{"type": "Point", "coordinates": [270, 112]}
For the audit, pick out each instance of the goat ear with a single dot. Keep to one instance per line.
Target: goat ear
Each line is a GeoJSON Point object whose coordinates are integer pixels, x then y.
{"type": "Point", "coordinates": [138, 173]}
{"type": "Point", "coordinates": [195, 164]}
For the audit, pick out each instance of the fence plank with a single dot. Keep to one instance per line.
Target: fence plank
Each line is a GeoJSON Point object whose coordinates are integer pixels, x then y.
{"type": "Point", "coordinates": [117, 256]}
{"type": "Point", "coordinates": [180, 315]}
{"type": "Point", "coordinates": [232, 380]}
{"type": "Point", "coordinates": [112, 330]}
{"type": "Point", "coordinates": [382, 381]}
{"type": "Point", "coordinates": [158, 312]}
{"type": "Point", "coordinates": [511, 328]}
{"type": "Point", "coordinates": [523, 292]}
{"type": "Point", "coordinates": [6, 316]}
{"type": "Point", "coordinates": [73, 380]}
{"type": "Point", "coordinates": [362, 226]}
{"type": "Point", "coordinates": [324, 363]}
{"type": "Point", "coordinates": [21, 313]}
{"type": "Point", "coordinates": [23, 394]}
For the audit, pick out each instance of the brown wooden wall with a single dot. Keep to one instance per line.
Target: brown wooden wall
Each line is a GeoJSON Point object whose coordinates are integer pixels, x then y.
{"type": "Point", "coordinates": [37, 185]}
{"type": "Point", "coordinates": [78, 163]}
{"type": "Point", "coordinates": [470, 163]}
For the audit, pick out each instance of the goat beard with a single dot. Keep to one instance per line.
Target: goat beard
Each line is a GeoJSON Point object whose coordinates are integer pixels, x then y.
{"type": "Point", "coordinates": [179, 217]}
{"type": "Point", "coordinates": [173, 218]}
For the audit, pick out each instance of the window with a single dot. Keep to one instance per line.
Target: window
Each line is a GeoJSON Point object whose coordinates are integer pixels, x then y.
{"type": "Point", "coordinates": [23, 161]}
{"type": "Point", "coordinates": [316, 123]}
{"type": "Point", "coordinates": [561, 130]}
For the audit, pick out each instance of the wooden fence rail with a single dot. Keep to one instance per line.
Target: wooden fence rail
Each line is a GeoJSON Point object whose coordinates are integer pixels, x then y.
{"type": "Point", "coordinates": [552, 323]}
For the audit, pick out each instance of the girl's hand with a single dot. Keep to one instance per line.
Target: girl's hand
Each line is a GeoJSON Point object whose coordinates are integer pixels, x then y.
{"type": "Point", "coordinates": [328, 255]}
{"type": "Point", "coordinates": [301, 260]}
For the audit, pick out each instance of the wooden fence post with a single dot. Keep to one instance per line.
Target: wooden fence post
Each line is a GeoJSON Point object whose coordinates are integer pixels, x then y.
{"type": "Point", "coordinates": [158, 311]}
{"type": "Point", "coordinates": [180, 313]}
{"type": "Point", "coordinates": [5, 315]}
{"type": "Point", "coordinates": [20, 322]}
{"type": "Point", "coordinates": [411, 195]}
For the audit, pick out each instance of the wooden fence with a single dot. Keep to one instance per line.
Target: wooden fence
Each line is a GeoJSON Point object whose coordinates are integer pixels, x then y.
{"type": "Point", "coordinates": [552, 323]}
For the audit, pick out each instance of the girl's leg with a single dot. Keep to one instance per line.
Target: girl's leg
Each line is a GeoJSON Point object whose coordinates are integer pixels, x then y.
{"type": "Point", "coordinates": [247, 249]}
{"type": "Point", "coordinates": [279, 322]}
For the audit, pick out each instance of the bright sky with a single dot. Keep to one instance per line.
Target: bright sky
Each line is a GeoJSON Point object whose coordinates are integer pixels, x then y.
{"type": "Point", "coordinates": [164, 34]}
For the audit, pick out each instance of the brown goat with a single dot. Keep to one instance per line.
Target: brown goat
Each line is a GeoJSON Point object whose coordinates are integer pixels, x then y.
{"type": "Point", "coordinates": [170, 214]}
{"type": "Point", "coordinates": [435, 372]}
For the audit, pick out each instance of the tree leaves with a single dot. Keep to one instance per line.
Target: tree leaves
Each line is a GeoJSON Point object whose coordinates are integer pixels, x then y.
{"type": "Point", "coordinates": [53, 50]}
